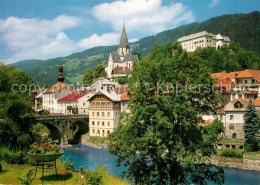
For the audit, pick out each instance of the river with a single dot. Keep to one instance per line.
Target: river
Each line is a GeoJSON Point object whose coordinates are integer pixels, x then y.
{"type": "Point", "coordinates": [90, 157]}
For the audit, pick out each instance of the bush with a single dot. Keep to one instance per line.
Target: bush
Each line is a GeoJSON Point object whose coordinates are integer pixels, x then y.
{"type": "Point", "coordinates": [12, 156]}
{"type": "Point", "coordinates": [92, 178]}
{"type": "Point", "coordinates": [228, 152]}
{"type": "Point", "coordinates": [1, 168]}
{"type": "Point", "coordinates": [69, 166]}
{"type": "Point", "coordinates": [248, 148]}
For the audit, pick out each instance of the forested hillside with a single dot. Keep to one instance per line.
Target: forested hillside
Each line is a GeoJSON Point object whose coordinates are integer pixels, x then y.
{"type": "Point", "coordinates": [241, 28]}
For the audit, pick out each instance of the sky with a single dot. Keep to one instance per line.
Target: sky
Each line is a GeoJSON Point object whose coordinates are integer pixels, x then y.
{"type": "Point", "coordinates": [43, 29]}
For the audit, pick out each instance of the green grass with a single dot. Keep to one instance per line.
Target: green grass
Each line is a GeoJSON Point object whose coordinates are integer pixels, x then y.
{"type": "Point", "coordinates": [12, 171]}
{"type": "Point", "coordinates": [252, 155]}
{"type": "Point", "coordinates": [232, 141]}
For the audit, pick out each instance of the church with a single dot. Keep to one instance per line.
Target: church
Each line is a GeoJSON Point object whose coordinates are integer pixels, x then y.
{"type": "Point", "coordinates": [120, 63]}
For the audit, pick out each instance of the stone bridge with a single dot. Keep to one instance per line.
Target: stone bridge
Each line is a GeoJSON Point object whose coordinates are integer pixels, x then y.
{"type": "Point", "coordinates": [60, 125]}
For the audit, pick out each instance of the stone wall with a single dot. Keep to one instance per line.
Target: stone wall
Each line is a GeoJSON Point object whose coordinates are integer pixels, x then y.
{"type": "Point", "coordinates": [240, 163]}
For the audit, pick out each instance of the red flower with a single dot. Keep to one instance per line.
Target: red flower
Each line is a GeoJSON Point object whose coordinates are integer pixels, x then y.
{"type": "Point", "coordinates": [50, 147]}
{"type": "Point", "coordinates": [31, 146]}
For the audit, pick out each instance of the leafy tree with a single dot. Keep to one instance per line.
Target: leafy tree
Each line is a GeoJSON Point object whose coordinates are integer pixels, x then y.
{"type": "Point", "coordinates": [99, 71]}
{"type": "Point", "coordinates": [210, 136]}
{"type": "Point", "coordinates": [88, 77]}
{"type": "Point", "coordinates": [15, 109]}
{"type": "Point", "coordinates": [122, 80]}
{"type": "Point", "coordinates": [251, 127]}
{"type": "Point", "coordinates": [160, 141]}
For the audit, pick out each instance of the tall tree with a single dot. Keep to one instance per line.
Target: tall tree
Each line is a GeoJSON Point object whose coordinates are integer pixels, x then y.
{"type": "Point", "coordinates": [88, 77]}
{"type": "Point", "coordinates": [160, 141]}
{"type": "Point", "coordinates": [99, 71]}
{"type": "Point", "coordinates": [251, 127]}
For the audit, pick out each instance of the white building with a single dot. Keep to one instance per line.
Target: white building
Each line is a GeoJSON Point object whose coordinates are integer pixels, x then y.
{"type": "Point", "coordinates": [203, 39]}
{"type": "Point", "coordinates": [51, 96]}
{"type": "Point", "coordinates": [120, 63]}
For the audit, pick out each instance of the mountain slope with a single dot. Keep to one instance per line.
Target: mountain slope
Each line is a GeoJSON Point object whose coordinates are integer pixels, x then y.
{"type": "Point", "coordinates": [241, 28]}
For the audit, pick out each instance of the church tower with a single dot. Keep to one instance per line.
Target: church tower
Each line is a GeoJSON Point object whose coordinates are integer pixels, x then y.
{"type": "Point", "coordinates": [123, 47]}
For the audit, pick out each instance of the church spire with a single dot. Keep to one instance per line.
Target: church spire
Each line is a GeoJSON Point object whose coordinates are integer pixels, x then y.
{"type": "Point", "coordinates": [123, 40]}
{"type": "Point", "coordinates": [61, 77]}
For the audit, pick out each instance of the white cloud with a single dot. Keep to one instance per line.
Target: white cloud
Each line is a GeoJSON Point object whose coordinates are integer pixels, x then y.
{"type": "Point", "coordinates": [213, 3]}
{"type": "Point", "coordinates": [146, 16]}
{"type": "Point", "coordinates": [103, 40]}
{"type": "Point", "coordinates": [44, 39]}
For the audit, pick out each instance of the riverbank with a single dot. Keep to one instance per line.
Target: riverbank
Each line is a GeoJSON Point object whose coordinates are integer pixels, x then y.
{"type": "Point", "coordinates": [96, 142]}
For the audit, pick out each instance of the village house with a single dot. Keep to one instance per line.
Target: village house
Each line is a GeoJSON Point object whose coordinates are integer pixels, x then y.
{"type": "Point", "coordinates": [51, 96]}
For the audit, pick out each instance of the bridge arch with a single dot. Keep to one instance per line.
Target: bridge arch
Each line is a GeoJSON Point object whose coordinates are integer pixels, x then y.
{"type": "Point", "coordinates": [55, 131]}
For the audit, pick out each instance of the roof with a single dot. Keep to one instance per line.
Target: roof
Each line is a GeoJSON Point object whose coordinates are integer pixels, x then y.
{"type": "Point", "coordinates": [257, 102]}
{"type": "Point", "coordinates": [221, 75]}
{"type": "Point", "coordinates": [125, 97]}
{"type": "Point", "coordinates": [123, 40]}
{"type": "Point", "coordinates": [58, 87]}
{"type": "Point", "coordinates": [121, 70]}
{"type": "Point", "coordinates": [249, 73]}
{"type": "Point", "coordinates": [128, 57]}
{"type": "Point", "coordinates": [204, 33]}
{"type": "Point", "coordinates": [111, 95]}
{"type": "Point", "coordinates": [72, 97]}
{"type": "Point", "coordinates": [245, 102]}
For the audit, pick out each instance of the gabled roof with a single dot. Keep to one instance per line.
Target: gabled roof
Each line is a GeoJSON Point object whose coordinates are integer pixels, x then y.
{"type": "Point", "coordinates": [72, 97]}
{"type": "Point", "coordinates": [245, 103]}
{"type": "Point", "coordinates": [130, 57]}
{"type": "Point", "coordinates": [111, 95]}
{"type": "Point", "coordinates": [115, 57]}
{"type": "Point", "coordinates": [58, 87]}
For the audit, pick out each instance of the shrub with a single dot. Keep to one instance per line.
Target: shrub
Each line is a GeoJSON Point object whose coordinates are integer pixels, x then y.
{"type": "Point", "coordinates": [248, 148]}
{"type": "Point", "coordinates": [69, 166]}
{"type": "Point", "coordinates": [28, 179]}
{"type": "Point", "coordinates": [12, 156]}
{"type": "Point", "coordinates": [1, 168]}
{"type": "Point", "coordinates": [228, 152]}
{"type": "Point", "coordinates": [92, 178]}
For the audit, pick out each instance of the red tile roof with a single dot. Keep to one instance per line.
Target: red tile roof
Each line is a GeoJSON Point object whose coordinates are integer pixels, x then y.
{"type": "Point", "coordinates": [257, 102]}
{"type": "Point", "coordinates": [249, 73]}
{"type": "Point", "coordinates": [72, 97]}
{"type": "Point", "coordinates": [125, 97]}
{"type": "Point", "coordinates": [222, 75]}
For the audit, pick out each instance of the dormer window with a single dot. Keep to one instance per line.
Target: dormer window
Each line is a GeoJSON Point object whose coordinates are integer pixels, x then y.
{"type": "Point", "coordinates": [238, 105]}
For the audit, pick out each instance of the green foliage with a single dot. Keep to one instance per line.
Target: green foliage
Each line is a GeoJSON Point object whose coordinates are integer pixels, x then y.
{"type": "Point", "coordinates": [69, 166]}
{"type": "Point", "coordinates": [88, 77]}
{"type": "Point", "coordinates": [92, 177]}
{"type": "Point", "coordinates": [248, 148]}
{"type": "Point", "coordinates": [45, 112]}
{"type": "Point", "coordinates": [1, 168]}
{"type": "Point", "coordinates": [123, 80]}
{"type": "Point", "coordinates": [160, 141]}
{"type": "Point", "coordinates": [251, 127]}
{"type": "Point", "coordinates": [28, 179]}
{"type": "Point", "coordinates": [210, 136]}
{"type": "Point", "coordinates": [11, 156]}
{"type": "Point", "coordinates": [228, 152]}
{"type": "Point", "coordinates": [99, 71]}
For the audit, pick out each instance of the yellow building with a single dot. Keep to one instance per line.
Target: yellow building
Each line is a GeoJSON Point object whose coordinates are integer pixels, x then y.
{"type": "Point", "coordinates": [104, 110]}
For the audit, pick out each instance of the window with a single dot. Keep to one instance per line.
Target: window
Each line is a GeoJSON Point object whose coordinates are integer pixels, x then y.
{"type": "Point", "coordinates": [245, 81]}
{"type": "Point", "coordinates": [221, 117]}
{"type": "Point", "coordinates": [93, 131]}
{"type": "Point", "coordinates": [231, 117]}
{"type": "Point", "coordinates": [93, 113]}
{"type": "Point", "coordinates": [234, 136]}
{"type": "Point", "coordinates": [231, 126]}
{"type": "Point", "coordinates": [103, 123]}
{"type": "Point", "coordinates": [238, 105]}
{"type": "Point", "coordinates": [97, 114]}
{"type": "Point", "coordinates": [93, 123]}
{"type": "Point", "coordinates": [108, 114]}
{"type": "Point", "coordinates": [108, 132]}
{"type": "Point", "coordinates": [253, 81]}
{"type": "Point", "coordinates": [241, 147]}
{"type": "Point", "coordinates": [233, 146]}
{"type": "Point", "coordinates": [108, 123]}
{"type": "Point", "coordinates": [83, 104]}
{"type": "Point", "coordinates": [103, 114]}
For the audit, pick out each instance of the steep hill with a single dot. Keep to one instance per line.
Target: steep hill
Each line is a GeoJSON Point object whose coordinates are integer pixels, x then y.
{"type": "Point", "coordinates": [241, 28]}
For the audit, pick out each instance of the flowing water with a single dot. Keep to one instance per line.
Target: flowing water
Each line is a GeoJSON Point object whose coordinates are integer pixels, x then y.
{"type": "Point", "coordinates": [90, 157]}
